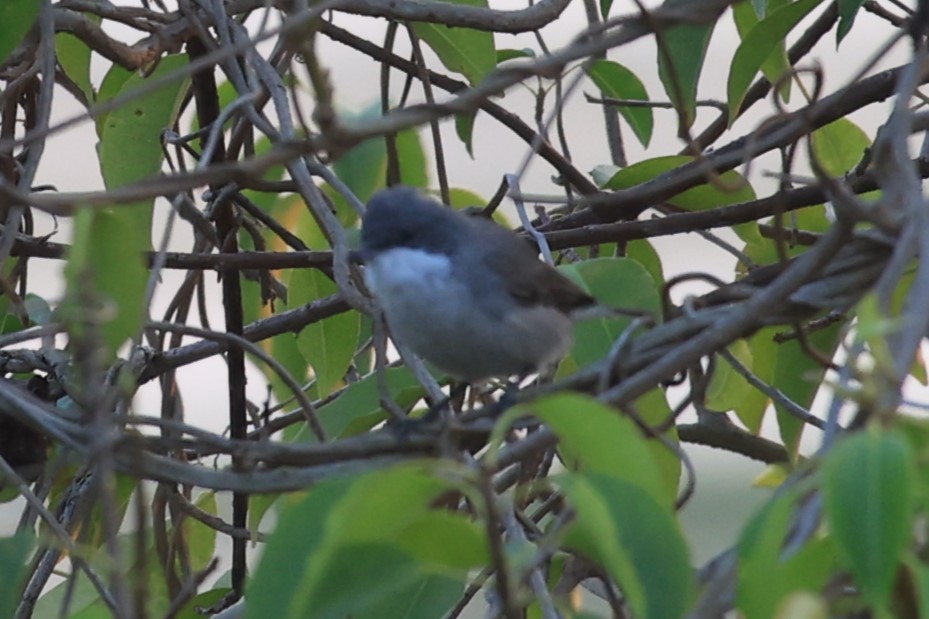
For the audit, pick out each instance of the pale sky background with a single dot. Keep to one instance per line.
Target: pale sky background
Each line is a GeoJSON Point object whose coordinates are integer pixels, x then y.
{"type": "Point", "coordinates": [719, 509]}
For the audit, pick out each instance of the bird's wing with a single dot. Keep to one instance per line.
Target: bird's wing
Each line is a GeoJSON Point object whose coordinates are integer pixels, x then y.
{"type": "Point", "coordinates": [538, 283]}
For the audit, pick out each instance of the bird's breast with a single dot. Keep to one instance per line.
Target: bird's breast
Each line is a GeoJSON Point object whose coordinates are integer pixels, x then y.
{"type": "Point", "coordinates": [402, 269]}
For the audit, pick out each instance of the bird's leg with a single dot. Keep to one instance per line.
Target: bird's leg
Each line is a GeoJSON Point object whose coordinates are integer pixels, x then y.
{"type": "Point", "coordinates": [508, 398]}
{"type": "Point", "coordinates": [455, 394]}
{"type": "Point", "coordinates": [433, 418]}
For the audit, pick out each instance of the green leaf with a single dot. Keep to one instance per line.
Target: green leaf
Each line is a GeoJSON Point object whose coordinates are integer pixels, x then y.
{"type": "Point", "coordinates": [37, 308]}
{"type": "Point", "coordinates": [426, 598]}
{"type": "Point", "coordinates": [445, 538]}
{"type": "Point", "coordinates": [282, 347]}
{"type": "Point", "coordinates": [414, 169]}
{"type": "Point", "coordinates": [461, 50]}
{"type": "Point", "coordinates": [602, 173]}
{"type": "Point", "coordinates": [867, 487]}
{"type": "Point", "coordinates": [758, 46]}
{"type": "Point", "coordinates": [13, 553]}
{"type": "Point", "coordinates": [329, 344]}
{"type": "Point", "coordinates": [464, 128]}
{"type": "Point", "coordinates": [614, 282]}
{"type": "Point", "coordinates": [83, 599]}
{"type": "Point", "coordinates": [777, 62]}
{"type": "Point", "coordinates": [357, 409]}
{"type": "Point", "coordinates": [616, 81]}
{"type": "Point", "coordinates": [463, 198]}
{"type": "Point", "coordinates": [74, 58]}
{"type": "Point", "coordinates": [679, 70]}
{"type": "Point", "coordinates": [848, 10]}
{"type": "Point", "coordinates": [788, 365]}
{"type": "Point", "coordinates": [605, 6]}
{"type": "Point", "coordinates": [643, 252]}
{"type": "Point", "coordinates": [112, 83]}
{"type": "Point", "coordinates": [654, 411]}
{"type": "Point", "coordinates": [362, 168]}
{"type": "Point", "coordinates": [594, 438]}
{"type": "Point", "coordinates": [105, 269]}
{"type": "Point", "coordinates": [106, 261]}
{"type": "Point", "coordinates": [258, 506]}
{"type": "Point", "coordinates": [350, 545]}
{"type": "Point", "coordinates": [200, 538]}
{"type": "Point", "coordinates": [921, 575]}
{"type": "Point", "coordinates": [514, 54]}
{"type": "Point", "coordinates": [769, 574]}
{"type": "Point", "coordinates": [731, 188]}
{"type": "Point", "coordinates": [796, 373]}
{"type": "Point", "coordinates": [206, 599]}
{"type": "Point", "coordinates": [16, 18]}
{"type": "Point", "coordinates": [637, 540]}
{"type": "Point", "coordinates": [94, 534]}
{"type": "Point", "coordinates": [727, 388]}
{"type": "Point", "coordinates": [839, 146]}
{"type": "Point", "coordinates": [752, 407]}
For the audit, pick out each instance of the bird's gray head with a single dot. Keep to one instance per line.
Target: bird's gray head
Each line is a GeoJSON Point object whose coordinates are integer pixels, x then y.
{"type": "Point", "coordinates": [403, 217]}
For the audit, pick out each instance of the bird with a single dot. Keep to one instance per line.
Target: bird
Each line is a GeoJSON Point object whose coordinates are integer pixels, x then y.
{"type": "Point", "coordinates": [467, 295]}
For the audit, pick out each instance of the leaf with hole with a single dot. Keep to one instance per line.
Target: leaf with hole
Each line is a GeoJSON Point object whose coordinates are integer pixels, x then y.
{"type": "Point", "coordinates": [106, 267]}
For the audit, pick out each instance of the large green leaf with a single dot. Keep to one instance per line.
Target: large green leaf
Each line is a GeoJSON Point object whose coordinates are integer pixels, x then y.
{"type": "Point", "coordinates": [727, 389]}
{"type": "Point", "coordinates": [594, 438]}
{"type": "Point", "coordinates": [105, 267]}
{"type": "Point", "coordinates": [758, 46]}
{"type": "Point", "coordinates": [16, 18]}
{"type": "Point", "coordinates": [751, 407]}
{"type": "Point", "coordinates": [616, 81]}
{"type": "Point", "coordinates": [351, 544]}
{"type": "Point", "coordinates": [769, 574]}
{"type": "Point", "coordinates": [329, 344]}
{"type": "Point", "coordinates": [414, 169]}
{"type": "Point", "coordinates": [795, 373]}
{"type": "Point", "coordinates": [462, 50]}
{"type": "Point", "coordinates": [732, 187]}
{"type": "Point", "coordinates": [643, 252]}
{"type": "Point", "coordinates": [614, 282]}
{"type": "Point", "coordinates": [282, 347]}
{"type": "Point", "coordinates": [638, 542]}
{"type": "Point", "coordinates": [679, 70]}
{"type": "Point", "coordinates": [426, 598]}
{"type": "Point", "coordinates": [358, 409]}
{"type": "Point", "coordinates": [362, 168]}
{"type": "Point", "coordinates": [867, 485]}
{"type": "Point", "coordinates": [788, 365]}
{"type": "Point", "coordinates": [111, 85]}
{"type": "Point", "coordinates": [200, 538]}
{"type": "Point", "coordinates": [13, 553]}
{"type": "Point", "coordinates": [106, 262]}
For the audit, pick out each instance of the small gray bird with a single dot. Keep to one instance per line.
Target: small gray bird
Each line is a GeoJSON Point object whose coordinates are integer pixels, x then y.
{"type": "Point", "coordinates": [465, 294]}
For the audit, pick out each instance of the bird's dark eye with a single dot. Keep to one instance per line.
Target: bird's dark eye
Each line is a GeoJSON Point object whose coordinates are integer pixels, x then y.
{"type": "Point", "coordinates": [404, 238]}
